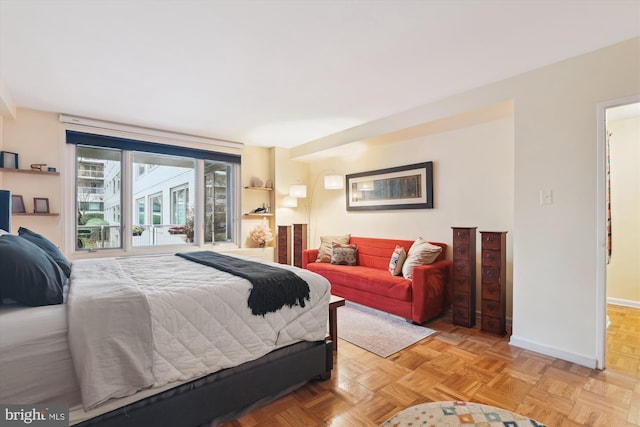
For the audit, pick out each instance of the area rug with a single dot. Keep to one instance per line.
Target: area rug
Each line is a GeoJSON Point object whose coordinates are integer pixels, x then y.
{"type": "Point", "coordinates": [453, 414]}
{"type": "Point", "coordinates": [378, 332]}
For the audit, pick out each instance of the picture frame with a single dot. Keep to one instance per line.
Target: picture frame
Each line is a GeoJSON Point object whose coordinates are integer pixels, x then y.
{"type": "Point", "coordinates": [40, 205]}
{"type": "Point", "coordinates": [17, 204]}
{"type": "Point", "coordinates": [402, 187]}
{"type": "Point", "coordinates": [8, 160]}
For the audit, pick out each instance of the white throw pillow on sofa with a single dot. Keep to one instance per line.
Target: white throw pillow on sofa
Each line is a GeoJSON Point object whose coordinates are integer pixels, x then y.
{"type": "Point", "coordinates": [420, 253]}
{"type": "Point", "coordinates": [397, 261]}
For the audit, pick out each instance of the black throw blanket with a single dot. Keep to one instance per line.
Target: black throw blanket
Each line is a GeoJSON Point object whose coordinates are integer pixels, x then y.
{"type": "Point", "coordinates": [273, 287]}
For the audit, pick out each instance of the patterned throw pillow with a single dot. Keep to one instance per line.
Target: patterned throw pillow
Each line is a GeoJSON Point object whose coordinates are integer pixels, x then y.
{"type": "Point", "coordinates": [397, 261]}
{"type": "Point", "coordinates": [324, 254]}
{"type": "Point", "coordinates": [420, 253]}
{"type": "Point", "coordinates": [344, 254]}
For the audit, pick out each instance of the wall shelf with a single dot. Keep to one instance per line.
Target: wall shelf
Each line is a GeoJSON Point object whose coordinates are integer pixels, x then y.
{"type": "Point", "coordinates": [258, 214]}
{"type": "Point", "coordinates": [34, 214]}
{"type": "Point", "coordinates": [259, 188]}
{"type": "Point", "coordinates": [29, 171]}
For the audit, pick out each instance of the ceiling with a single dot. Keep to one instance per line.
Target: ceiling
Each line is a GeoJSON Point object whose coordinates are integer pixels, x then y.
{"type": "Point", "coordinates": [282, 73]}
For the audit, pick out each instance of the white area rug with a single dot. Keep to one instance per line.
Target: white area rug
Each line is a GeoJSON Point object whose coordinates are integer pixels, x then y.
{"type": "Point", "coordinates": [378, 332]}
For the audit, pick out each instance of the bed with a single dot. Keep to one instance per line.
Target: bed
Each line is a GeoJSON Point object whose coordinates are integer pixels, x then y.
{"type": "Point", "coordinates": [209, 355]}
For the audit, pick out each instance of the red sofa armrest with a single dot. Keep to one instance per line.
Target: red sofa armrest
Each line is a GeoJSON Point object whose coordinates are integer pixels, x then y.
{"type": "Point", "coordinates": [431, 287]}
{"type": "Point", "coordinates": [308, 256]}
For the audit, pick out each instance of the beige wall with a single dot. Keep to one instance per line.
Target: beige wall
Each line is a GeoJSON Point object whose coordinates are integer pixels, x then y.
{"type": "Point", "coordinates": [623, 270]}
{"type": "Point", "coordinates": [34, 136]}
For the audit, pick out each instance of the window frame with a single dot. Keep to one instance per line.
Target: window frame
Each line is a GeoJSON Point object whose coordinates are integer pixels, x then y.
{"type": "Point", "coordinates": [129, 206]}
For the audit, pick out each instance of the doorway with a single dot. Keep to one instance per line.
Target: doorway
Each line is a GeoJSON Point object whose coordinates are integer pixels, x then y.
{"type": "Point", "coordinates": [619, 148]}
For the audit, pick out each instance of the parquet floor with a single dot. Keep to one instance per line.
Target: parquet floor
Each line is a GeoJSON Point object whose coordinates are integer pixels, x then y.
{"type": "Point", "coordinates": [466, 364]}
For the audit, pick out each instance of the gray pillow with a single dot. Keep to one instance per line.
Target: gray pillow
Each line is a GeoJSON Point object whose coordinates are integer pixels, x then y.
{"type": "Point", "coordinates": [28, 274]}
{"type": "Point", "coordinates": [47, 246]}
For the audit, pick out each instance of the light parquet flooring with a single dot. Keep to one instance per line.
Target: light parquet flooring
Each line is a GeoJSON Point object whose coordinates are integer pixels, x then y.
{"type": "Point", "coordinates": [465, 364]}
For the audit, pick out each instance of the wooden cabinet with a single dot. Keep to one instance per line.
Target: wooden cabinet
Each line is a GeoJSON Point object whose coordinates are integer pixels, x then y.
{"type": "Point", "coordinates": [299, 243]}
{"type": "Point", "coordinates": [284, 244]}
{"type": "Point", "coordinates": [464, 276]}
{"type": "Point", "coordinates": [493, 281]}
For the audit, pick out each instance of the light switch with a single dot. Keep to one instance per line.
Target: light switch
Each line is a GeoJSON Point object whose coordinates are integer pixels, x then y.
{"type": "Point", "coordinates": [546, 197]}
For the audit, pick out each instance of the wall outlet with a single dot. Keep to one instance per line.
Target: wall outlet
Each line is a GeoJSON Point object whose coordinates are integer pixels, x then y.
{"type": "Point", "coordinates": [546, 197]}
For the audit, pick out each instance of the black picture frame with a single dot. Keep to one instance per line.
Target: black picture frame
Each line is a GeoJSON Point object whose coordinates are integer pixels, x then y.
{"type": "Point", "coordinates": [8, 160]}
{"type": "Point", "coordinates": [402, 187]}
{"type": "Point", "coordinates": [17, 204]}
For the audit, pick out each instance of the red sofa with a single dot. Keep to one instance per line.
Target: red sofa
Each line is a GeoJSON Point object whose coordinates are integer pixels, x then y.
{"type": "Point", "coordinates": [369, 283]}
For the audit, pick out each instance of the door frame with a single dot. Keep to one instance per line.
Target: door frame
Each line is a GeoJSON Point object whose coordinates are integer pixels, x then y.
{"type": "Point", "coordinates": [601, 224]}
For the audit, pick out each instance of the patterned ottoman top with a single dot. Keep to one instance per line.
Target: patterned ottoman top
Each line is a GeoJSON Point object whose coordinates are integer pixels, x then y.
{"type": "Point", "coordinates": [452, 414]}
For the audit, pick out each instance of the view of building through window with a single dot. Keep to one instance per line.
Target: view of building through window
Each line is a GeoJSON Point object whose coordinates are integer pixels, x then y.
{"type": "Point", "coordinates": [162, 207]}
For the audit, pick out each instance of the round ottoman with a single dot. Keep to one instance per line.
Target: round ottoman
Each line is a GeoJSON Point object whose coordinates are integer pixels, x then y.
{"type": "Point", "coordinates": [452, 414]}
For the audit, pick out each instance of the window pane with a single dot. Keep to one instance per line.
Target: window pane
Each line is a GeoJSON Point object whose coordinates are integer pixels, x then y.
{"type": "Point", "coordinates": [218, 184]}
{"type": "Point", "coordinates": [165, 187]}
{"type": "Point", "coordinates": [98, 198]}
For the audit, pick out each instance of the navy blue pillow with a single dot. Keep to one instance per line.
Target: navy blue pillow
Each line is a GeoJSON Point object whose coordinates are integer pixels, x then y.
{"type": "Point", "coordinates": [28, 274]}
{"type": "Point", "coordinates": [47, 246]}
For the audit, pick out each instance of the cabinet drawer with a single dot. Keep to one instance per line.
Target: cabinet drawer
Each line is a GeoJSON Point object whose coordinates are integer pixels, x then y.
{"type": "Point", "coordinates": [491, 258]}
{"type": "Point", "coordinates": [491, 308]}
{"type": "Point", "coordinates": [460, 299]}
{"type": "Point", "coordinates": [461, 284]}
{"type": "Point", "coordinates": [492, 325]}
{"type": "Point", "coordinates": [461, 236]}
{"type": "Point", "coordinates": [490, 275]}
{"type": "Point", "coordinates": [491, 291]}
{"type": "Point", "coordinates": [491, 240]}
{"type": "Point", "coordinates": [460, 252]}
{"type": "Point", "coordinates": [461, 268]}
{"type": "Point", "coordinates": [461, 316]}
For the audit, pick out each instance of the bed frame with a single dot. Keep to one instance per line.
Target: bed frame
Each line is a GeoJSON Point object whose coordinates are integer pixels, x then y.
{"type": "Point", "coordinates": [227, 394]}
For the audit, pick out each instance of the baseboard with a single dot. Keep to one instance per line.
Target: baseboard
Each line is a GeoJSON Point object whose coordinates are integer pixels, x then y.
{"type": "Point", "coordinates": [589, 362]}
{"type": "Point", "coordinates": [623, 302]}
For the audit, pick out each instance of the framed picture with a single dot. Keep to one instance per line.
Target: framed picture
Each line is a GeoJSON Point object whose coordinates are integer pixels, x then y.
{"type": "Point", "coordinates": [8, 160]}
{"type": "Point", "coordinates": [402, 187]}
{"type": "Point", "coordinates": [17, 204]}
{"type": "Point", "coordinates": [40, 205]}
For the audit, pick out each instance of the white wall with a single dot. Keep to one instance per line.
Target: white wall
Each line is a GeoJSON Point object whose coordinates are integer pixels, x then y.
{"type": "Point", "coordinates": [473, 187]}
{"type": "Point", "coordinates": [555, 247]}
{"type": "Point", "coordinates": [623, 270]}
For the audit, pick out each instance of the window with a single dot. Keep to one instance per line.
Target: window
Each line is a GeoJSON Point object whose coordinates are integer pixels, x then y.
{"type": "Point", "coordinates": [179, 204]}
{"type": "Point", "coordinates": [97, 225]}
{"type": "Point", "coordinates": [161, 183]}
{"type": "Point", "coordinates": [155, 213]}
{"type": "Point", "coordinates": [140, 204]}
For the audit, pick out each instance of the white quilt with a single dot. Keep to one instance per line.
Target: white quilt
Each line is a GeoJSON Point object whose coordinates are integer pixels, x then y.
{"type": "Point", "coordinates": [143, 322]}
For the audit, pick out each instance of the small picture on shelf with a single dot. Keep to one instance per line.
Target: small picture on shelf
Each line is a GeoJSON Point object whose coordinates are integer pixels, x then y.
{"type": "Point", "coordinates": [17, 204]}
{"type": "Point", "coordinates": [8, 160]}
{"type": "Point", "coordinates": [40, 205]}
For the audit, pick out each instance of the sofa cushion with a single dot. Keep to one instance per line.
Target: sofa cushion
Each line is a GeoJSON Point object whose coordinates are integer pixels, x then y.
{"type": "Point", "coordinates": [420, 253]}
{"type": "Point", "coordinates": [373, 280]}
{"type": "Point", "coordinates": [344, 254]}
{"type": "Point", "coordinates": [324, 254]}
{"type": "Point", "coordinates": [375, 252]}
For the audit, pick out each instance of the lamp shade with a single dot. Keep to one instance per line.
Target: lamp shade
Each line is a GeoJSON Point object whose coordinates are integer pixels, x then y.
{"type": "Point", "coordinates": [333, 182]}
{"type": "Point", "coordinates": [289, 202]}
{"type": "Point", "coordinates": [298, 191]}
